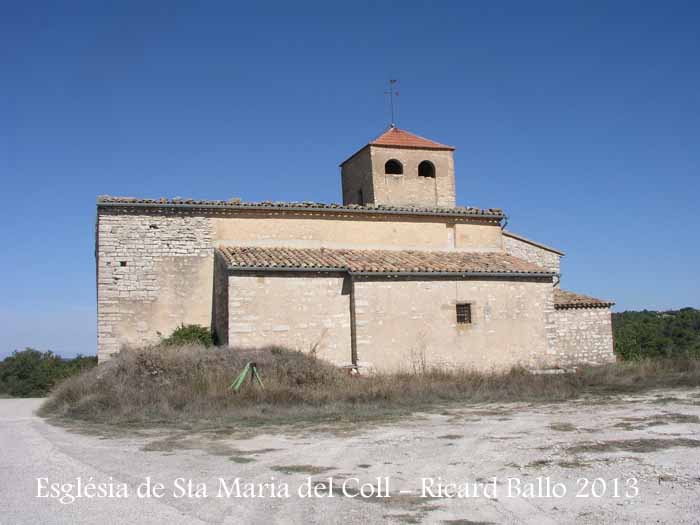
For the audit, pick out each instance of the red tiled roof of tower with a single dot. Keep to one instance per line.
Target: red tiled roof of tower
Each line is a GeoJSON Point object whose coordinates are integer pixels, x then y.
{"type": "Point", "coordinates": [398, 138]}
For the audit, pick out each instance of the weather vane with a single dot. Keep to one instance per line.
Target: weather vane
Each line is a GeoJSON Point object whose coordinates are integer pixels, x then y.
{"type": "Point", "coordinates": [392, 93]}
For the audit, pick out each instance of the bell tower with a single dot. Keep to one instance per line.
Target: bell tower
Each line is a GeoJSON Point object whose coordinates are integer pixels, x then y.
{"type": "Point", "coordinates": [399, 168]}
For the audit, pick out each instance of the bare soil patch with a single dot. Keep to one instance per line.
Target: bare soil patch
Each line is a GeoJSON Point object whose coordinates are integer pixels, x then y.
{"type": "Point", "coordinates": [662, 458]}
{"type": "Point", "coordinates": [634, 445]}
{"type": "Point", "coordinates": [301, 469]}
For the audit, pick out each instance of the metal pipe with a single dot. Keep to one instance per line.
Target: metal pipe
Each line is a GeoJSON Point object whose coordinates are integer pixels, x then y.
{"type": "Point", "coordinates": [457, 274]}
{"type": "Point", "coordinates": [386, 274]}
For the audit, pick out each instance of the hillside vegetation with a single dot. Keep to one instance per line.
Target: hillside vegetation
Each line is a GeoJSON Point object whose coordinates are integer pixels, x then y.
{"type": "Point", "coordinates": [645, 334]}
{"type": "Point", "coordinates": [30, 373]}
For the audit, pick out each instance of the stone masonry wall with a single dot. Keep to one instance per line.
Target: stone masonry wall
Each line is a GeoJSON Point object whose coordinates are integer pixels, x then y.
{"type": "Point", "coordinates": [300, 312]}
{"type": "Point", "coordinates": [153, 273]}
{"type": "Point", "coordinates": [361, 233]}
{"type": "Point", "coordinates": [532, 253]}
{"type": "Point", "coordinates": [405, 324]}
{"type": "Point", "coordinates": [220, 303]}
{"type": "Point", "coordinates": [155, 268]}
{"type": "Point", "coordinates": [410, 189]}
{"type": "Point", "coordinates": [583, 335]}
{"type": "Point", "coordinates": [356, 177]}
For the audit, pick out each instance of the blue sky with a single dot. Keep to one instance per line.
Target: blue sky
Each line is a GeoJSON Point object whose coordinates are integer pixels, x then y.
{"type": "Point", "coordinates": [580, 119]}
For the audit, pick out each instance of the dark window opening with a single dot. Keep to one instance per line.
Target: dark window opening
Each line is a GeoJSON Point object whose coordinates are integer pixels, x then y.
{"type": "Point", "coordinates": [464, 313]}
{"type": "Point", "coordinates": [393, 167]}
{"type": "Point", "coordinates": [426, 169]}
{"type": "Point", "coordinates": [122, 263]}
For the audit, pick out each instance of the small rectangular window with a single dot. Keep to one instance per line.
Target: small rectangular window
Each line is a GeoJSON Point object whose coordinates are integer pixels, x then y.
{"type": "Point", "coordinates": [464, 313]}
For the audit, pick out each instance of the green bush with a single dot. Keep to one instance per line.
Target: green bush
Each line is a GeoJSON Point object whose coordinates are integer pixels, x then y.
{"type": "Point", "coordinates": [31, 373]}
{"type": "Point", "coordinates": [190, 334]}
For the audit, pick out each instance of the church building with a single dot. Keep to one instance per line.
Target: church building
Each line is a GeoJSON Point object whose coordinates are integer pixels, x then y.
{"type": "Point", "coordinates": [398, 277]}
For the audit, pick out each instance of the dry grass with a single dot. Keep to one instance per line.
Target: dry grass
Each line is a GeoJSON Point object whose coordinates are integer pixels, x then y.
{"type": "Point", "coordinates": [182, 385]}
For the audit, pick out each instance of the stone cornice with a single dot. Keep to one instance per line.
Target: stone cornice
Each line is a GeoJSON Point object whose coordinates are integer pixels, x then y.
{"type": "Point", "coordinates": [128, 205]}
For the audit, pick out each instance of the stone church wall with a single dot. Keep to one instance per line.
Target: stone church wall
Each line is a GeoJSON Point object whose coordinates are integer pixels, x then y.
{"type": "Point", "coordinates": [155, 268]}
{"type": "Point", "coordinates": [356, 179]}
{"type": "Point", "coordinates": [310, 314]}
{"type": "Point", "coordinates": [583, 335]}
{"type": "Point", "coordinates": [307, 231]}
{"type": "Point", "coordinates": [404, 324]}
{"type": "Point", "coordinates": [154, 272]}
{"type": "Point", "coordinates": [221, 300]}
{"type": "Point", "coordinates": [531, 253]}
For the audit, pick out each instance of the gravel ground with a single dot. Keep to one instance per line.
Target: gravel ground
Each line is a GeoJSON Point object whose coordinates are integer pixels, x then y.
{"type": "Point", "coordinates": [624, 459]}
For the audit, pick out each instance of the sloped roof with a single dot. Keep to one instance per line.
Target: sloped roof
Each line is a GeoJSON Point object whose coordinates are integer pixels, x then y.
{"type": "Point", "coordinates": [564, 299]}
{"type": "Point", "coordinates": [399, 138]}
{"type": "Point", "coordinates": [377, 261]}
{"type": "Point", "coordinates": [237, 204]}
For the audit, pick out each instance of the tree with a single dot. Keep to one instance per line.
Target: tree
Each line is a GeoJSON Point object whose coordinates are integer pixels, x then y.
{"type": "Point", "coordinates": [657, 334]}
{"type": "Point", "coordinates": [31, 373]}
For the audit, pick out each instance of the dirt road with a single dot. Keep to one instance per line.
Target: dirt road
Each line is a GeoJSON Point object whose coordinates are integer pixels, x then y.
{"type": "Point", "coordinates": [626, 460]}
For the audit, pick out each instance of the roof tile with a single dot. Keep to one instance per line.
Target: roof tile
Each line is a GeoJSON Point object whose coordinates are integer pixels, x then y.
{"type": "Point", "coordinates": [376, 261]}
{"type": "Point", "coordinates": [403, 139]}
{"type": "Point", "coordinates": [564, 299]}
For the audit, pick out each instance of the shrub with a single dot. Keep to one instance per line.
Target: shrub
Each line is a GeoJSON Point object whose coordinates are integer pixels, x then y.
{"type": "Point", "coordinates": [30, 373]}
{"type": "Point", "coordinates": [190, 334]}
{"type": "Point", "coordinates": [193, 384]}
